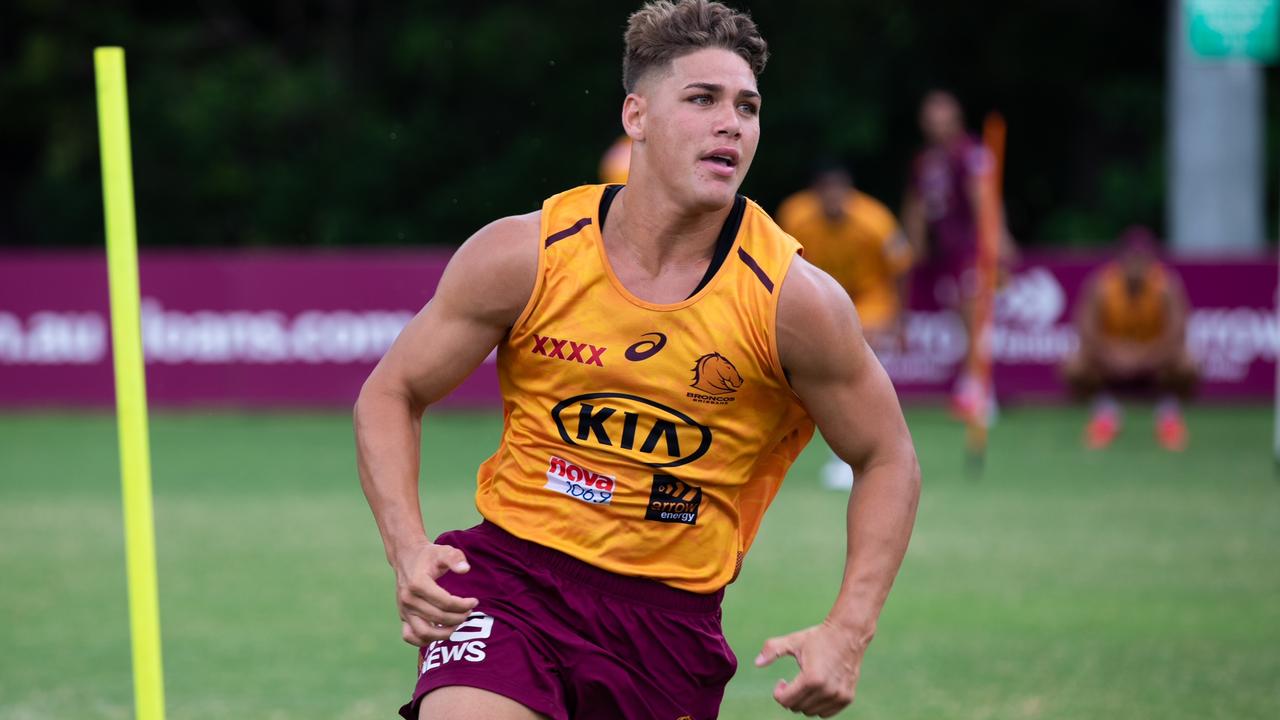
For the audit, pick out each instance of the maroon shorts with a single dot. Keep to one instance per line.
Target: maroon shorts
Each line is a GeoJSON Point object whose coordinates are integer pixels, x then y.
{"type": "Point", "coordinates": [569, 640]}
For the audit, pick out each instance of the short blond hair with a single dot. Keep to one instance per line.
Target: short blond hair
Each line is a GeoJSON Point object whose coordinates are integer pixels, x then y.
{"type": "Point", "coordinates": [663, 30]}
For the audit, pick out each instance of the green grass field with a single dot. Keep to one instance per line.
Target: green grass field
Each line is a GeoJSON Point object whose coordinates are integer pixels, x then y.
{"type": "Point", "coordinates": [1126, 584]}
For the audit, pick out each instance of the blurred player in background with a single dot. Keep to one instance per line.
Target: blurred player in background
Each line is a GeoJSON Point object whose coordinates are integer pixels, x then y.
{"type": "Point", "coordinates": [855, 239]}
{"type": "Point", "coordinates": [1132, 322]}
{"type": "Point", "coordinates": [940, 213]}
{"type": "Point", "coordinates": [615, 164]}
{"type": "Point", "coordinates": [664, 355]}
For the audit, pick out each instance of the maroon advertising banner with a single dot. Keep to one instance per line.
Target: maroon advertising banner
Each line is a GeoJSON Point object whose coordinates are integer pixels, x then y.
{"type": "Point", "coordinates": [268, 329]}
{"type": "Point", "coordinates": [303, 329]}
{"type": "Point", "coordinates": [1232, 331]}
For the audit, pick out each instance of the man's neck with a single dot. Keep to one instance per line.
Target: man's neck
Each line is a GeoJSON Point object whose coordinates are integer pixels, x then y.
{"type": "Point", "coordinates": [655, 232]}
{"type": "Point", "coordinates": [840, 213]}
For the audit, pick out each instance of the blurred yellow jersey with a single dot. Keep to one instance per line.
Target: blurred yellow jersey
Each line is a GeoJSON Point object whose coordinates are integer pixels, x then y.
{"type": "Point", "coordinates": [1139, 317]}
{"type": "Point", "coordinates": [857, 250]}
{"type": "Point", "coordinates": [615, 164]}
{"type": "Point", "coordinates": [645, 439]}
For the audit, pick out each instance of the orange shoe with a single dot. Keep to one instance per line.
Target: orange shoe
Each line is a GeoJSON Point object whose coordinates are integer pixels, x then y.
{"type": "Point", "coordinates": [1171, 432]}
{"type": "Point", "coordinates": [964, 406]}
{"type": "Point", "coordinates": [968, 404]}
{"type": "Point", "coordinates": [1101, 431]}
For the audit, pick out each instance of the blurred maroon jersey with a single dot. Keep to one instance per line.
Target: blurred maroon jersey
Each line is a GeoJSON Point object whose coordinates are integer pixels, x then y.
{"type": "Point", "coordinates": [941, 176]}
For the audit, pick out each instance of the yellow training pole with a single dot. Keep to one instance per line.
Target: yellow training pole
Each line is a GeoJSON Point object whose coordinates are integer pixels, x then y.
{"type": "Point", "coordinates": [131, 389]}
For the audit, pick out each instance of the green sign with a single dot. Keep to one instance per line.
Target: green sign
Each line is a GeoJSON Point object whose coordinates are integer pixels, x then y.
{"type": "Point", "coordinates": [1234, 28]}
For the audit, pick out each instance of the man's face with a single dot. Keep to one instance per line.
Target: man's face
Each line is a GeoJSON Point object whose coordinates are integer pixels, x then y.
{"type": "Point", "coordinates": [699, 122]}
{"type": "Point", "coordinates": [1135, 262]}
{"type": "Point", "coordinates": [940, 118]}
{"type": "Point", "coordinates": [833, 188]}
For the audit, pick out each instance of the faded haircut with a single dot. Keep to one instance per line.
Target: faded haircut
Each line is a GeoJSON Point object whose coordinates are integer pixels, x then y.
{"type": "Point", "coordinates": [663, 30]}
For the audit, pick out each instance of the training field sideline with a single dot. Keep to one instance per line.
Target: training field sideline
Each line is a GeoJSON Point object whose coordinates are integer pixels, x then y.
{"type": "Point", "coordinates": [1125, 584]}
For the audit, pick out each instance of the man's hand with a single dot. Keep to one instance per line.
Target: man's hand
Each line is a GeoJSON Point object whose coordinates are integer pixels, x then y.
{"type": "Point", "coordinates": [429, 612]}
{"type": "Point", "coordinates": [830, 659]}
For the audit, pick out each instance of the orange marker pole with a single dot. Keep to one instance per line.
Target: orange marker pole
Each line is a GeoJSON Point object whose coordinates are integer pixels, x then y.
{"type": "Point", "coordinates": [989, 224]}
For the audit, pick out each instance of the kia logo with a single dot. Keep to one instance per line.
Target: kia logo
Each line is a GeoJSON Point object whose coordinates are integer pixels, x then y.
{"type": "Point", "coordinates": [632, 426]}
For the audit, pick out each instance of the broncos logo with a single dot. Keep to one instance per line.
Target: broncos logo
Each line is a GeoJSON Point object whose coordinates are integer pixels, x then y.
{"type": "Point", "coordinates": [715, 375]}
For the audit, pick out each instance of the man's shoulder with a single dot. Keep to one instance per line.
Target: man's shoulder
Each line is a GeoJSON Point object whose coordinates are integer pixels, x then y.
{"type": "Point", "coordinates": [493, 273]}
{"type": "Point", "coordinates": [508, 238]}
{"type": "Point", "coordinates": [973, 156]}
{"type": "Point", "coordinates": [756, 216]}
{"type": "Point", "coordinates": [1165, 276]}
{"type": "Point", "coordinates": [767, 240]}
{"type": "Point", "coordinates": [808, 289]}
{"type": "Point", "coordinates": [1097, 278]}
{"type": "Point", "coordinates": [578, 201]}
{"type": "Point", "coordinates": [869, 209]}
{"type": "Point", "coordinates": [516, 225]}
{"type": "Point", "coordinates": [1107, 270]}
{"type": "Point", "coordinates": [815, 316]}
{"type": "Point", "coordinates": [810, 300]}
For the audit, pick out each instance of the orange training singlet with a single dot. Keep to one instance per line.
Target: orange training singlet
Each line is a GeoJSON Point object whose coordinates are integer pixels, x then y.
{"type": "Point", "coordinates": [855, 250]}
{"type": "Point", "coordinates": [1122, 316]}
{"type": "Point", "coordinates": [645, 439]}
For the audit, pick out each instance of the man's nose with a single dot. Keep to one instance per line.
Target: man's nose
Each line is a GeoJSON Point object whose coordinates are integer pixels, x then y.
{"type": "Point", "coordinates": [729, 124]}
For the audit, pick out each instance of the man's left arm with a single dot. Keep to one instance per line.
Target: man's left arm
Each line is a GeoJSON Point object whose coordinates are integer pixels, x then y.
{"type": "Point", "coordinates": [849, 396]}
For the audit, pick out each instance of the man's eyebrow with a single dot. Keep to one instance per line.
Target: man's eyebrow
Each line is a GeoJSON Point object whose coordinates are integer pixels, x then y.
{"type": "Point", "coordinates": [716, 87]}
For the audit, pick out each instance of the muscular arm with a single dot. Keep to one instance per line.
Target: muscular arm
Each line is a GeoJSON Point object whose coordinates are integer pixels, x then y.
{"type": "Point", "coordinates": [483, 291]}
{"type": "Point", "coordinates": [849, 396]}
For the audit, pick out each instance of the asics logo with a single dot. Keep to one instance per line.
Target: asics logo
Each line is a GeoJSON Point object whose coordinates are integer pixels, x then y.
{"type": "Point", "coordinates": [645, 349]}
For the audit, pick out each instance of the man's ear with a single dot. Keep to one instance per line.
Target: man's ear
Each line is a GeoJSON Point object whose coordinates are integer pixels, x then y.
{"type": "Point", "coordinates": [633, 116]}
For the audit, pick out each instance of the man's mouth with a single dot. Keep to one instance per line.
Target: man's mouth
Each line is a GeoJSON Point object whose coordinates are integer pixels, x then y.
{"type": "Point", "coordinates": [722, 161]}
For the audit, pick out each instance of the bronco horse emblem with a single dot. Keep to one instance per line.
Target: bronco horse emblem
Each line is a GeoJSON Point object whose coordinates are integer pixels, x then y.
{"type": "Point", "coordinates": [715, 375]}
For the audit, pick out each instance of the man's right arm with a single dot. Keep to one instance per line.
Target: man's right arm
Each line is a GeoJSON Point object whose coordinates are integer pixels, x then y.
{"type": "Point", "coordinates": [485, 287]}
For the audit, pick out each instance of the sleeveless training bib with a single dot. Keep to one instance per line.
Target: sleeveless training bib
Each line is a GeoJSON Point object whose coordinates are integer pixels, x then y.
{"type": "Point", "coordinates": [1136, 318]}
{"type": "Point", "coordinates": [645, 439]}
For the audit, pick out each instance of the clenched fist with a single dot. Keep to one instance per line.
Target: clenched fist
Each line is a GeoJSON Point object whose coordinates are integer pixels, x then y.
{"type": "Point", "coordinates": [429, 612]}
{"type": "Point", "coordinates": [829, 658]}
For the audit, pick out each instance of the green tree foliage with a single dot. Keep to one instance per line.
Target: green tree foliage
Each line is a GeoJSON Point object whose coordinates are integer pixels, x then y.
{"type": "Point", "coordinates": [345, 123]}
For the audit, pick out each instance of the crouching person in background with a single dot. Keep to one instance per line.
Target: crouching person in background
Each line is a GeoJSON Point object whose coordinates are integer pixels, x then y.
{"type": "Point", "coordinates": [1132, 319]}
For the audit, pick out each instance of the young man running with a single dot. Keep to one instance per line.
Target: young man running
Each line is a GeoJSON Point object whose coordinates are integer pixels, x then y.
{"type": "Point", "coordinates": [664, 354]}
